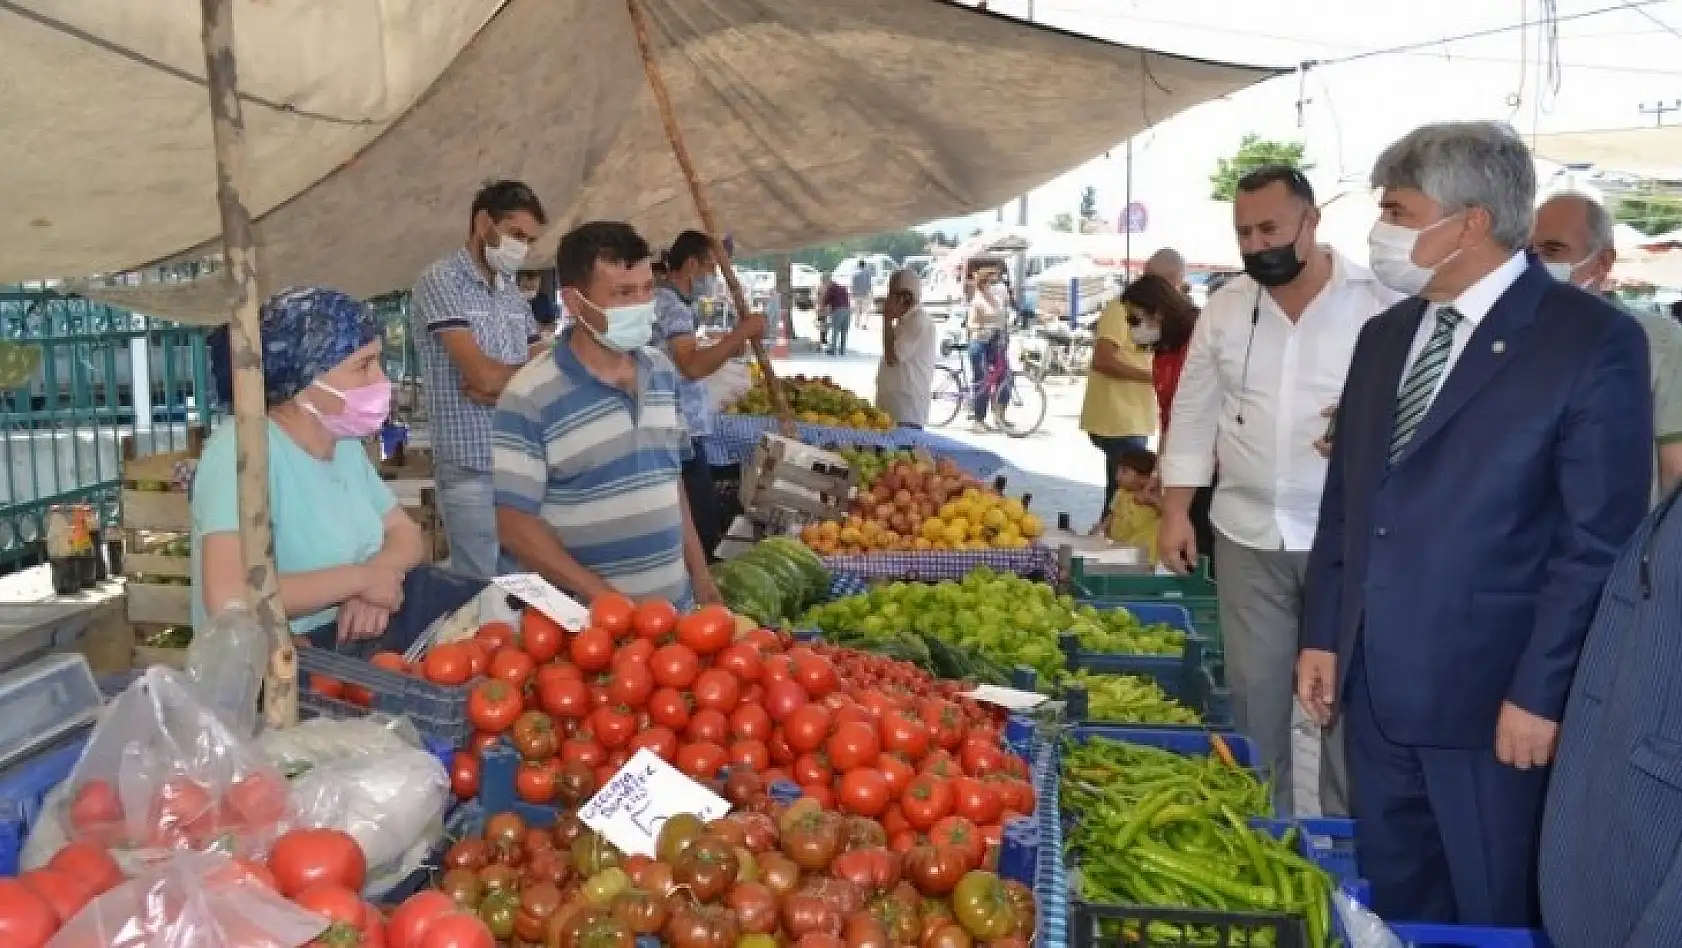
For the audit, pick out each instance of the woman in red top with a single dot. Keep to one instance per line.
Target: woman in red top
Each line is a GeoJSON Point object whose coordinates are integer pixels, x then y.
{"type": "Point", "coordinates": [1162, 317]}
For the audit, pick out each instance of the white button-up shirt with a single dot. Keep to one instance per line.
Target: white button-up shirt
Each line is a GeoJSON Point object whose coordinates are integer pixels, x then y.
{"type": "Point", "coordinates": [1261, 419]}
{"type": "Point", "coordinates": [1474, 305]}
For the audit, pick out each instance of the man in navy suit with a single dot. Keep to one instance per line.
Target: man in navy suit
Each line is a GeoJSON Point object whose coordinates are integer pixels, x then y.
{"type": "Point", "coordinates": [1491, 455]}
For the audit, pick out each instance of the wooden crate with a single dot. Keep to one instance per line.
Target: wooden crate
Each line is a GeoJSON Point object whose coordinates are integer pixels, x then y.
{"type": "Point", "coordinates": [786, 482]}
{"type": "Point", "coordinates": [156, 526]}
{"type": "Point", "coordinates": [157, 604]}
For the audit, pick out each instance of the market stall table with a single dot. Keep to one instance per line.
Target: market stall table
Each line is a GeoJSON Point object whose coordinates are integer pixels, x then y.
{"type": "Point", "coordinates": [735, 436]}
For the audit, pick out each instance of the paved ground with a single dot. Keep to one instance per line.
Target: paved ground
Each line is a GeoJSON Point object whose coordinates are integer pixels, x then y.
{"type": "Point", "coordinates": [1057, 464]}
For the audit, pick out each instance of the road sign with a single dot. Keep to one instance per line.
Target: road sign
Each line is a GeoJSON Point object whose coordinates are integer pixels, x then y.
{"type": "Point", "coordinates": [1134, 219]}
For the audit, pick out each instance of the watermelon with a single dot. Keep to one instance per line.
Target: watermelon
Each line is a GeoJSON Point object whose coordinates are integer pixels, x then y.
{"type": "Point", "coordinates": [749, 590]}
{"type": "Point", "coordinates": [808, 562]}
{"type": "Point", "coordinates": [791, 582]}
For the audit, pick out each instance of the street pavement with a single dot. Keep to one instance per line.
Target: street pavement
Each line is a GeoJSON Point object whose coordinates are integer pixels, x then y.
{"type": "Point", "coordinates": [1057, 464]}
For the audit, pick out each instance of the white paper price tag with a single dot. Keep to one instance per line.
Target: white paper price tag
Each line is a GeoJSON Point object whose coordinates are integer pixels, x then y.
{"type": "Point", "coordinates": [1008, 698]}
{"type": "Point", "coordinates": [635, 802]}
{"type": "Point", "coordinates": [535, 591]}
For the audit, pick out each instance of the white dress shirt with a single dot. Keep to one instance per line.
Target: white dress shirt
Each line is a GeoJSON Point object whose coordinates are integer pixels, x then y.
{"type": "Point", "coordinates": [1262, 420]}
{"type": "Point", "coordinates": [1474, 305]}
{"type": "Point", "coordinates": [904, 390]}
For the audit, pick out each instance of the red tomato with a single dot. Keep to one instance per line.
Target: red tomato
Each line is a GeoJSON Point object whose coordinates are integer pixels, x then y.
{"type": "Point", "coordinates": [707, 629]}
{"type": "Point", "coordinates": [904, 733]}
{"type": "Point", "coordinates": [26, 919]}
{"type": "Point", "coordinates": [611, 613]}
{"type": "Point", "coordinates": [864, 791]}
{"type": "Point", "coordinates": [457, 930]}
{"type": "Point", "coordinates": [976, 801]}
{"type": "Point", "coordinates": [95, 809]}
{"type": "Point", "coordinates": [180, 802]}
{"type": "Point", "coordinates": [359, 695]}
{"type": "Point", "coordinates": [926, 801]}
{"type": "Point", "coordinates": [258, 799]}
{"type": "Point", "coordinates": [853, 745]}
{"type": "Point", "coordinates": [674, 666]}
{"type": "Point", "coordinates": [669, 707]}
{"type": "Point", "coordinates": [493, 705]}
{"type": "Point", "coordinates": [59, 889]}
{"type": "Point", "coordinates": [592, 649]}
{"type": "Point", "coordinates": [447, 664]}
{"type": "Point", "coordinates": [701, 760]}
{"type": "Point", "coordinates": [816, 675]}
{"type": "Point", "coordinates": [945, 721]}
{"type": "Point", "coordinates": [583, 750]}
{"type": "Point", "coordinates": [807, 727]}
{"type": "Point", "coordinates": [464, 775]}
{"type": "Point", "coordinates": [636, 651]}
{"type": "Point", "coordinates": [327, 687]}
{"type": "Point", "coordinates": [783, 698]}
{"type": "Point", "coordinates": [630, 685]}
{"type": "Point", "coordinates": [708, 725]}
{"type": "Point", "coordinates": [478, 657]}
{"type": "Point", "coordinates": [482, 741]}
{"type": "Point", "coordinates": [89, 863]}
{"type": "Point", "coordinates": [717, 690]}
{"type": "Point", "coordinates": [820, 793]}
{"type": "Point", "coordinates": [981, 757]}
{"type": "Point", "coordinates": [392, 662]}
{"type": "Point", "coordinates": [337, 904]}
{"type": "Point", "coordinates": [567, 698]}
{"type": "Point", "coordinates": [750, 722]}
{"type": "Point", "coordinates": [495, 636]}
{"type": "Point", "coordinates": [414, 917]}
{"type": "Point", "coordinates": [962, 835]}
{"type": "Point", "coordinates": [653, 618]}
{"type": "Point", "coordinates": [306, 857]}
{"type": "Point", "coordinates": [776, 668]}
{"type": "Point", "coordinates": [659, 739]}
{"type": "Point", "coordinates": [535, 783]}
{"type": "Point", "coordinates": [812, 770]}
{"type": "Point", "coordinates": [614, 725]}
{"type": "Point", "coordinates": [750, 754]}
{"type": "Point", "coordinates": [739, 659]}
{"type": "Point", "coordinates": [540, 636]}
{"type": "Point", "coordinates": [896, 771]}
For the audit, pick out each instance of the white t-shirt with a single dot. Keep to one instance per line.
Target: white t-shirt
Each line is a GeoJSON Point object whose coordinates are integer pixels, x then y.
{"type": "Point", "coordinates": [903, 390]}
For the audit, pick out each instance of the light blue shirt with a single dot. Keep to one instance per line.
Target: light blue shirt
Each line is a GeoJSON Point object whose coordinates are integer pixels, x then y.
{"type": "Point", "coordinates": [675, 316]}
{"type": "Point", "coordinates": [325, 513]}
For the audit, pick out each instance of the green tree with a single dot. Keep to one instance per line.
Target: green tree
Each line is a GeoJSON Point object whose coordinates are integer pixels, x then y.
{"type": "Point", "coordinates": [1088, 203]}
{"type": "Point", "coordinates": [1652, 214]}
{"type": "Point", "coordinates": [1064, 222]}
{"type": "Point", "coordinates": [1253, 152]}
{"type": "Point", "coordinates": [824, 257]}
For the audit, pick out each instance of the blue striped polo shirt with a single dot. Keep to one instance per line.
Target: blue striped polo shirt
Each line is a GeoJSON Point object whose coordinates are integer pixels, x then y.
{"type": "Point", "coordinates": [601, 466]}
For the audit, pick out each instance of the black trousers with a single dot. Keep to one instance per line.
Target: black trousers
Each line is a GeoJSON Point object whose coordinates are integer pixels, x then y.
{"type": "Point", "coordinates": [703, 500]}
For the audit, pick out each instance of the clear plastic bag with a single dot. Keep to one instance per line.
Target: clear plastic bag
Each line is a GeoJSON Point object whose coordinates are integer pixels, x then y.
{"type": "Point", "coordinates": [226, 663]}
{"type": "Point", "coordinates": [190, 900]}
{"type": "Point", "coordinates": [161, 771]}
{"type": "Point", "coordinates": [726, 386]}
{"type": "Point", "coordinates": [1363, 928]}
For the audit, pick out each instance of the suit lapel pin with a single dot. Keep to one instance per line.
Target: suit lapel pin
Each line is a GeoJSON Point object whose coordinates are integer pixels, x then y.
{"type": "Point", "coordinates": [1499, 347]}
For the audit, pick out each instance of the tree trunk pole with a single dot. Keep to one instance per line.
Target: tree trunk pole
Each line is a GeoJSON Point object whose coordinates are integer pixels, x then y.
{"type": "Point", "coordinates": [703, 207]}
{"type": "Point", "coordinates": [239, 250]}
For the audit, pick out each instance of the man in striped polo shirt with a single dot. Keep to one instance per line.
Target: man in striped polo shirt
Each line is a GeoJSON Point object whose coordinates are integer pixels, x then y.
{"type": "Point", "coordinates": [589, 445]}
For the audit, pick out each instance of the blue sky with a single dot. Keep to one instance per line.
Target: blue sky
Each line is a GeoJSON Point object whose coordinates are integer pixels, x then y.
{"type": "Point", "coordinates": [1612, 57]}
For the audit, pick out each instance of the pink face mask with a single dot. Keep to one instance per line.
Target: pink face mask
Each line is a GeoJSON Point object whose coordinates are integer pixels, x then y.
{"type": "Point", "coordinates": [364, 411]}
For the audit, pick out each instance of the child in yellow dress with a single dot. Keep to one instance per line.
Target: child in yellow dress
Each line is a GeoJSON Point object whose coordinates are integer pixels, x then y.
{"type": "Point", "coordinates": [1136, 510]}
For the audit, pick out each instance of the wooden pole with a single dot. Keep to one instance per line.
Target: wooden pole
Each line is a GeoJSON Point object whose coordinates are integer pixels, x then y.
{"type": "Point", "coordinates": [703, 207]}
{"type": "Point", "coordinates": [239, 251]}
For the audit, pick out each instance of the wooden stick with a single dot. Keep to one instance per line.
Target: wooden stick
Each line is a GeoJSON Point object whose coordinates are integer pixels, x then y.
{"type": "Point", "coordinates": [251, 425]}
{"type": "Point", "coordinates": [703, 208]}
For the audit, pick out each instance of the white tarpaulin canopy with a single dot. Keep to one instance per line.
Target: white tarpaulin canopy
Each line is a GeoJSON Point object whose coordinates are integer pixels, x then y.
{"type": "Point", "coordinates": [372, 123]}
{"type": "Point", "coordinates": [1649, 152]}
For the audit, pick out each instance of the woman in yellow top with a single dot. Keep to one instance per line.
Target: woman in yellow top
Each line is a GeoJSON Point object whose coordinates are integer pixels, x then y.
{"type": "Point", "coordinates": [1136, 508]}
{"type": "Point", "coordinates": [1119, 412]}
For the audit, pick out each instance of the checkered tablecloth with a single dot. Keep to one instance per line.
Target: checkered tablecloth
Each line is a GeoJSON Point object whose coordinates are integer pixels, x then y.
{"type": "Point", "coordinates": [843, 583]}
{"type": "Point", "coordinates": [734, 437]}
{"type": "Point", "coordinates": [1051, 884]}
{"type": "Point", "coordinates": [1036, 562]}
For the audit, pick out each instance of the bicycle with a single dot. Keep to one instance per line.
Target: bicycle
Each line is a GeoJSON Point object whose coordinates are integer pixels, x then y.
{"type": "Point", "coordinates": [1013, 397]}
{"type": "Point", "coordinates": [1065, 353]}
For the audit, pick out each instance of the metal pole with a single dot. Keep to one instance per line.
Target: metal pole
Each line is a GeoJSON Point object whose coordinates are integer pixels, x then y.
{"type": "Point", "coordinates": [1127, 218]}
{"type": "Point", "coordinates": [239, 251]}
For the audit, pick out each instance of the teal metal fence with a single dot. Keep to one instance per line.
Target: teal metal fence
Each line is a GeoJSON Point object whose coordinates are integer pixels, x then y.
{"type": "Point", "coordinates": [63, 431]}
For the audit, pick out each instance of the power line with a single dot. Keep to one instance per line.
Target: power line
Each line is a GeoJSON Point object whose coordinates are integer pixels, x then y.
{"type": "Point", "coordinates": [1635, 5]}
{"type": "Point", "coordinates": [1655, 20]}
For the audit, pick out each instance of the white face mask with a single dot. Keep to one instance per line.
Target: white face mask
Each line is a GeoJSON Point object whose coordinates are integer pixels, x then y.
{"type": "Point", "coordinates": [507, 255]}
{"type": "Point", "coordinates": [1562, 271]}
{"type": "Point", "coordinates": [1145, 334]}
{"type": "Point", "coordinates": [1391, 249]}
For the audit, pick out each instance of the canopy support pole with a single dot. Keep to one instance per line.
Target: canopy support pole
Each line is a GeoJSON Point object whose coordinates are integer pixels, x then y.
{"type": "Point", "coordinates": [239, 252]}
{"type": "Point", "coordinates": [703, 207]}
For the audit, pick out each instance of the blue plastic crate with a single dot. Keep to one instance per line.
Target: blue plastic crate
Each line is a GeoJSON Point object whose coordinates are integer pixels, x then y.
{"type": "Point", "coordinates": [1191, 743]}
{"type": "Point", "coordinates": [1177, 674]}
{"type": "Point", "coordinates": [315, 705]}
{"type": "Point", "coordinates": [498, 766]}
{"type": "Point", "coordinates": [23, 787]}
{"type": "Point", "coordinates": [437, 711]}
{"type": "Point", "coordinates": [1213, 705]}
{"type": "Point", "coordinates": [1468, 936]}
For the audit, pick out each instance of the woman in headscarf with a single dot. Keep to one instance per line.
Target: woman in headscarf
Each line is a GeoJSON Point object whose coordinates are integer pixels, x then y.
{"type": "Point", "coordinates": [905, 377]}
{"type": "Point", "coordinates": [350, 561]}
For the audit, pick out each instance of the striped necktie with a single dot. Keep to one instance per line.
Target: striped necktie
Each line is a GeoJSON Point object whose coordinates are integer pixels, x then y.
{"type": "Point", "coordinates": [1415, 398]}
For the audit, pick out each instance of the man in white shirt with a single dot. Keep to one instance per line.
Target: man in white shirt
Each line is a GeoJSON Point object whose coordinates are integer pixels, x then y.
{"type": "Point", "coordinates": [1266, 364]}
{"type": "Point", "coordinates": [905, 378]}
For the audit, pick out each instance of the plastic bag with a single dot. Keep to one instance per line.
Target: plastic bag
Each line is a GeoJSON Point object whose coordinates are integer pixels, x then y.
{"type": "Point", "coordinates": [226, 663]}
{"type": "Point", "coordinates": [190, 900]}
{"type": "Point", "coordinates": [728, 384]}
{"type": "Point", "coordinates": [1362, 928]}
{"type": "Point", "coordinates": [161, 772]}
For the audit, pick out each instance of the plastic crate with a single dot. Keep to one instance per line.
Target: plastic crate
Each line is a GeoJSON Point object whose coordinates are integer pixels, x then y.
{"type": "Point", "coordinates": [43, 702]}
{"type": "Point", "coordinates": [1213, 705]}
{"type": "Point", "coordinates": [29, 630]}
{"type": "Point", "coordinates": [23, 787]}
{"type": "Point", "coordinates": [1161, 927]}
{"type": "Point", "coordinates": [437, 711]}
{"type": "Point", "coordinates": [1177, 674]}
{"type": "Point", "coordinates": [1088, 579]}
{"type": "Point", "coordinates": [1190, 743]}
{"type": "Point", "coordinates": [498, 766]}
{"type": "Point", "coordinates": [1205, 612]}
{"type": "Point", "coordinates": [314, 705]}
{"type": "Point", "coordinates": [1468, 936]}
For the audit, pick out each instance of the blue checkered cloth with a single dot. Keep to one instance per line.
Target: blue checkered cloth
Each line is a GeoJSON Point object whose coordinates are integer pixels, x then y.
{"type": "Point", "coordinates": [843, 584]}
{"type": "Point", "coordinates": [735, 436]}
{"type": "Point", "coordinates": [935, 565]}
{"type": "Point", "coordinates": [1051, 885]}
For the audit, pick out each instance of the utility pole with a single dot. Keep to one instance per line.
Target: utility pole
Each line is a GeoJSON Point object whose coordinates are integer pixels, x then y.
{"type": "Point", "coordinates": [1658, 110]}
{"type": "Point", "coordinates": [1021, 287]}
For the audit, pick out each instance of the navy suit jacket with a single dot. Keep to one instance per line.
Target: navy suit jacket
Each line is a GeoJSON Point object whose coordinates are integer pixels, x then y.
{"type": "Point", "coordinates": [1467, 573]}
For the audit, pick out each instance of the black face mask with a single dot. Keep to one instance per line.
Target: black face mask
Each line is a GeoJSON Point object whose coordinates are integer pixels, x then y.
{"type": "Point", "coordinates": [1275, 266]}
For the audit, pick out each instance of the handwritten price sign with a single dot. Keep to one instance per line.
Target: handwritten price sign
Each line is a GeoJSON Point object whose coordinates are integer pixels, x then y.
{"type": "Point", "coordinates": [632, 806]}
{"type": "Point", "coordinates": [537, 592]}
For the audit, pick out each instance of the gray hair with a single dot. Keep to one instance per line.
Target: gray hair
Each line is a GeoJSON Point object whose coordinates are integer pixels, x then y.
{"type": "Point", "coordinates": [907, 279]}
{"type": "Point", "coordinates": [1463, 165]}
{"type": "Point", "coordinates": [1596, 218]}
{"type": "Point", "coordinates": [1167, 257]}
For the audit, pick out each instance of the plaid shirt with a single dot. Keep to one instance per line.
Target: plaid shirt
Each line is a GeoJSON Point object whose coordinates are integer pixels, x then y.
{"type": "Point", "coordinates": [453, 294]}
{"type": "Point", "coordinates": [675, 316]}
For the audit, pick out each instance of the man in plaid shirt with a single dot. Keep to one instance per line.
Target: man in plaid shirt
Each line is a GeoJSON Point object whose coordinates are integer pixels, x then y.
{"type": "Point", "coordinates": [473, 329]}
